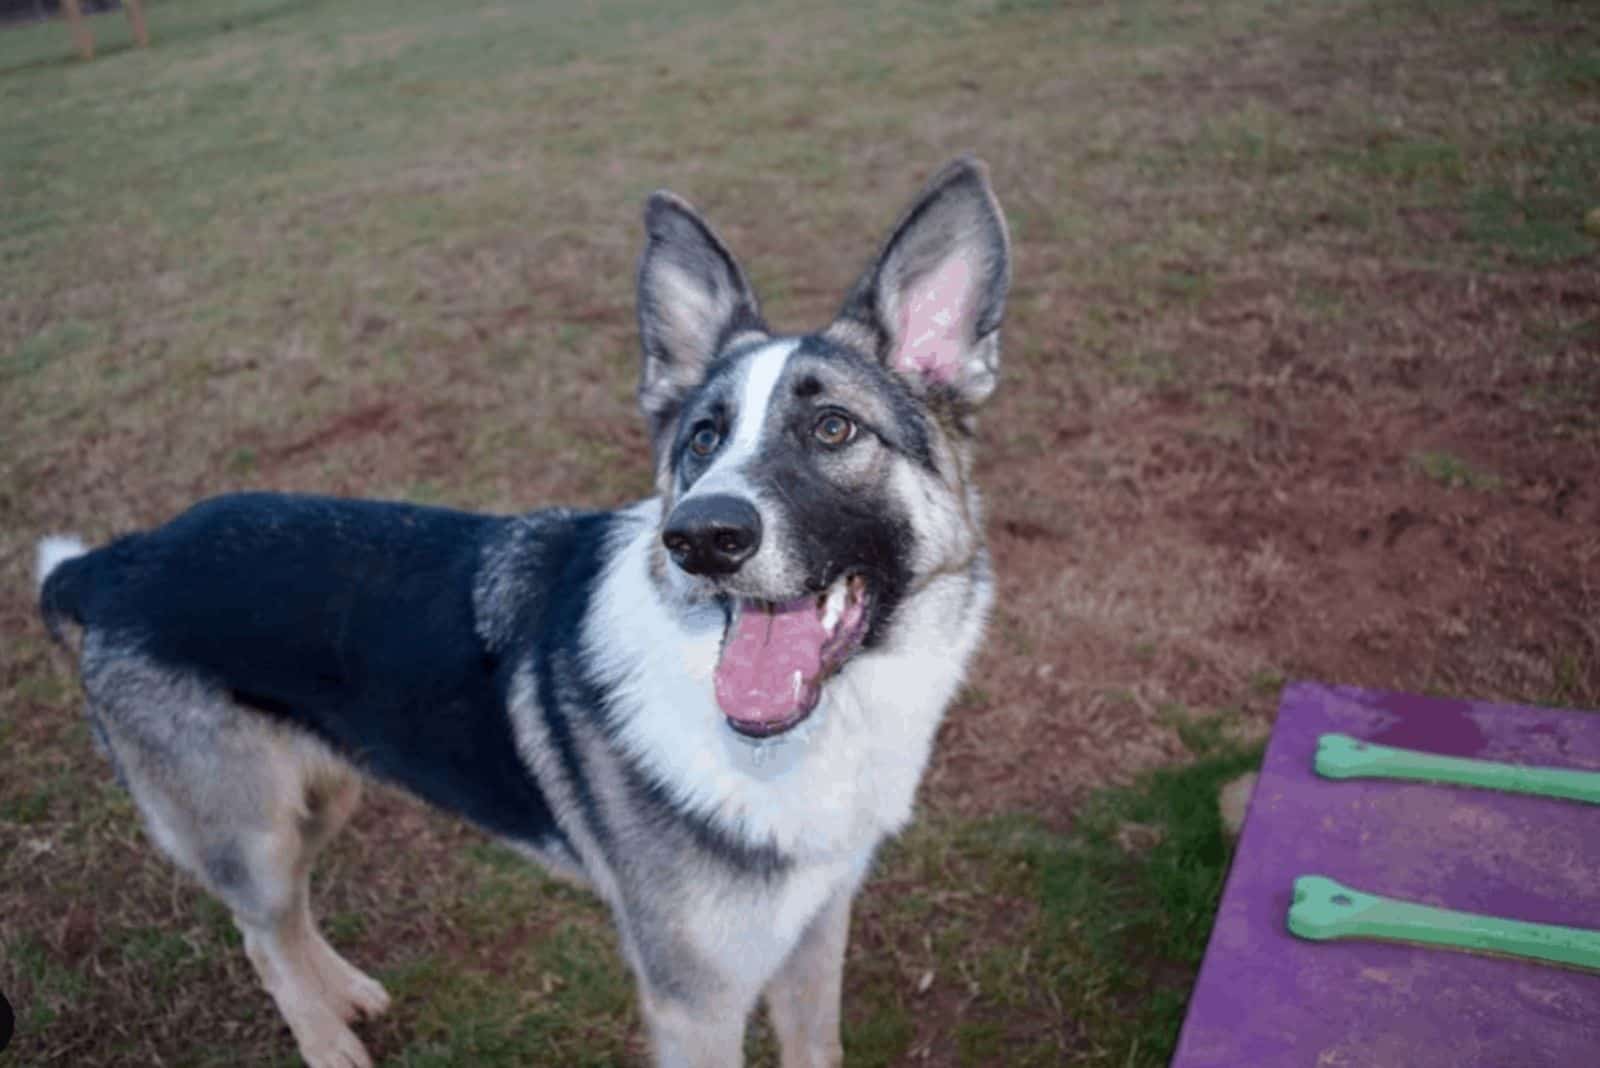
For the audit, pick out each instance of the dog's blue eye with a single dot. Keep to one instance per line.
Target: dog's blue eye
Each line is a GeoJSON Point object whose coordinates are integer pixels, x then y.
{"type": "Point", "coordinates": [834, 429]}
{"type": "Point", "coordinates": [704, 440]}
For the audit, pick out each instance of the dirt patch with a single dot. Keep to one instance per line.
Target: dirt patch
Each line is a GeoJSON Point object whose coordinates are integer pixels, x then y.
{"type": "Point", "coordinates": [1188, 550]}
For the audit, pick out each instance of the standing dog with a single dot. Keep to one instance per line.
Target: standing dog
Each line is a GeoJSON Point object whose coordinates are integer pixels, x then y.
{"type": "Point", "coordinates": [710, 707]}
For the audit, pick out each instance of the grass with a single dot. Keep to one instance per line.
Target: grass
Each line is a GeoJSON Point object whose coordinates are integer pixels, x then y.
{"type": "Point", "coordinates": [1453, 472]}
{"type": "Point", "coordinates": [1097, 947]}
{"type": "Point", "coordinates": [387, 249]}
{"type": "Point", "coordinates": [1104, 925]}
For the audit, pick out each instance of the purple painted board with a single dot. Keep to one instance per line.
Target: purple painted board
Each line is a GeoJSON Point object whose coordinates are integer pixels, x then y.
{"type": "Point", "coordinates": [1265, 998]}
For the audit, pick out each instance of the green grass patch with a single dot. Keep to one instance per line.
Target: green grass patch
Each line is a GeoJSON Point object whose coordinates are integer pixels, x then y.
{"type": "Point", "coordinates": [32, 806]}
{"type": "Point", "coordinates": [1452, 471]}
{"type": "Point", "coordinates": [1569, 670]}
{"type": "Point", "coordinates": [880, 1036]}
{"type": "Point", "coordinates": [48, 986]}
{"type": "Point", "coordinates": [1267, 682]}
{"type": "Point", "coordinates": [1410, 160]}
{"type": "Point", "coordinates": [161, 950]}
{"type": "Point", "coordinates": [39, 350]}
{"type": "Point", "coordinates": [1533, 210]}
{"type": "Point", "coordinates": [1254, 140]}
{"type": "Point", "coordinates": [567, 999]}
{"type": "Point", "coordinates": [1104, 924]}
{"type": "Point", "coordinates": [1572, 64]}
{"type": "Point", "coordinates": [1148, 368]}
{"type": "Point", "coordinates": [1122, 930]}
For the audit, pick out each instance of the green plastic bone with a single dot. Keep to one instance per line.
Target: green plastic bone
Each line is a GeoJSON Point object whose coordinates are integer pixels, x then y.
{"type": "Point", "coordinates": [1340, 756]}
{"type": "Point", "coordinates": [1324, 909]}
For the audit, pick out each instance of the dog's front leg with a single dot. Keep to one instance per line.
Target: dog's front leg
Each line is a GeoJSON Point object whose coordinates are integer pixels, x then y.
{"type": "Point", "coordinates": [702, 1033]}
{"type": "Point", "coordinates": [803, 998]}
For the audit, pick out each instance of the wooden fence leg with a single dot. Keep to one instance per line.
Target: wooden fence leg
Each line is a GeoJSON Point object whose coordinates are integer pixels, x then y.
{"type": "Point", "coordinates": [82, 36]}
{"type": "Point", "coordinates": [136, 20]}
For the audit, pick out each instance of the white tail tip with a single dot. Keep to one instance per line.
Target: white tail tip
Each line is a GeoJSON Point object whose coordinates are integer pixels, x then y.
{"type": "Point", "coordinates": [54, 551]}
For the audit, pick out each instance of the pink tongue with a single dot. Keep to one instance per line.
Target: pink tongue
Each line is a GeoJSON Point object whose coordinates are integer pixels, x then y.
{"type": "Point", "coordinates": [771, 662]}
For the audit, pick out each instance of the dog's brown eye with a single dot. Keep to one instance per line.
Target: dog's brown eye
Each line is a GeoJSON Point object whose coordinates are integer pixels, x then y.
{"type": "Point", "coordinates": [704, 440]}
{"type": "Point", "coordinates": [834, 429]}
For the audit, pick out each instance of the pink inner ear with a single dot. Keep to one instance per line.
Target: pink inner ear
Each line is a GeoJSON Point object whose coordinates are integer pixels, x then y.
{"type": "Point", "coordinates": [936, 322]}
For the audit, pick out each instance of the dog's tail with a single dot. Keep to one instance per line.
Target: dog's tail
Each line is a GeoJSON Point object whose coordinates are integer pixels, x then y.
{"type": "Point", "coordinates": [58, 575]}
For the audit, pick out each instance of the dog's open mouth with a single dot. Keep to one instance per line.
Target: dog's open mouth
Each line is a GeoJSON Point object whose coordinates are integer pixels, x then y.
{"type": "Point", "coordinates": [776, 656]}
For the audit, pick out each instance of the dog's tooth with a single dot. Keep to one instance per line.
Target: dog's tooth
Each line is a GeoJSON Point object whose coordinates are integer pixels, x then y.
{"type": "Point", "coordinates": [834, 609]}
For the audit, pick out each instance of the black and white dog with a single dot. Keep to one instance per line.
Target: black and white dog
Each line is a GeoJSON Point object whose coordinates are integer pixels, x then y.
{"type": "Point", "coordinates": [711, 706]}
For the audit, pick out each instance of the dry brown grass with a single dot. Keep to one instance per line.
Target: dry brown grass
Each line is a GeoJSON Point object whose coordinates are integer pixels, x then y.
{"type": "Point", "coordinates": [1267, 257]}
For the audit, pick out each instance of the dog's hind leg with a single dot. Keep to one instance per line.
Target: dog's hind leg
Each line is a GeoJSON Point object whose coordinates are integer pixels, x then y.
{"type": "Point", "coordinates": [330, 804]}
{"type": "Point", "coordinates": [305, 977]}
{"type": "Point", "coordinates": [243, 805]}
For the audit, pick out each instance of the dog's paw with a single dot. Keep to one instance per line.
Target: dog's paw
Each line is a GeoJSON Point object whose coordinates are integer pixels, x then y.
{"type": "Point", "coordinates": [351, 991]}
{"type": "Point", "coordinates": [334, 1048]}
{"type": "Point", "coordinates": [366, 995]}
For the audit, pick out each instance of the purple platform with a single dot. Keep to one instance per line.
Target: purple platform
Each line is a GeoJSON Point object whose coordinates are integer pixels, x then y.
{"type": "Point", "coordinates": [1266, 999]}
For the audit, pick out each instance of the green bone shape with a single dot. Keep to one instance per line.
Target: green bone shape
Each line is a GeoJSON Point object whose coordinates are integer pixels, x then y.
{"type": "Point", "coordinates": [1324, 909]}
{"type": "Point", "coordinates": [1340, 756]}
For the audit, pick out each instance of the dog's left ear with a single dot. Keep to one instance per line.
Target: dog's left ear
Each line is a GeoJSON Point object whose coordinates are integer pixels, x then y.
{"type": "Point", "coordinates": [930, 305]}
{"type": "Point", "coordinates": [694, 300]}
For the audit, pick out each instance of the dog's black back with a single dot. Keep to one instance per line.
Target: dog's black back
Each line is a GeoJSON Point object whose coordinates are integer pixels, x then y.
{"type": "Point", "coordinates": [352, 618]}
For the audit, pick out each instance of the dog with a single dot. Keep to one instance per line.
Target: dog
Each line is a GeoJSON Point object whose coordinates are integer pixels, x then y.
{"type": "Point", "coordinates": [711, 707]}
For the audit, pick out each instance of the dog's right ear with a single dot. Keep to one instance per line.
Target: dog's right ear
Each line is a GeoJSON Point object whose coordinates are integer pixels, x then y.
{"type": "Point", "coordinates": [693, 302]}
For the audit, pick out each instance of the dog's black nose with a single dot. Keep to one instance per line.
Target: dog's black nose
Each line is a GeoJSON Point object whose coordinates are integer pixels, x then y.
{"type": "Point", "coordinates": [712, 535]}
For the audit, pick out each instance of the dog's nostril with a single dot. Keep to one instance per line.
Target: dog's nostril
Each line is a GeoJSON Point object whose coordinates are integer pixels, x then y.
{"type": "Point", "coordinates": [731, 541]}
{"type": "Point", "coordinates": [677, 544]}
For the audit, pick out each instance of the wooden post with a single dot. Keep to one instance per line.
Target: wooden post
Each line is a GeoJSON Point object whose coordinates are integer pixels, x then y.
{"type": "Point", "coordinates": [82, 36]}
{"type": "Point", "coordinates": [136, 20]}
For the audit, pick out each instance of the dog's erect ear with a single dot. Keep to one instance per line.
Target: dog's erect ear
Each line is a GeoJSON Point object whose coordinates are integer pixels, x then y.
{"type": "Point", "coordinates": [931, 303]}
{"type": "Point", "coordinates": [693, 301]}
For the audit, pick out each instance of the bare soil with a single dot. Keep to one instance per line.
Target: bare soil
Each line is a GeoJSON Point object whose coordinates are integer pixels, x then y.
{"type": "Point", "coordinates": [1268, 518]}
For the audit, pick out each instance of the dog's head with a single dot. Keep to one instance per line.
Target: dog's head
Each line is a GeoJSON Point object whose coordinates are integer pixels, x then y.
{"type": "Point", "coordinates": [811, 483]}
